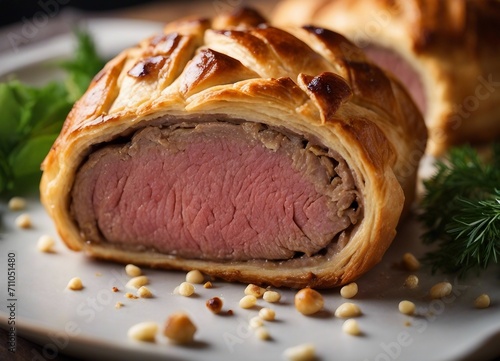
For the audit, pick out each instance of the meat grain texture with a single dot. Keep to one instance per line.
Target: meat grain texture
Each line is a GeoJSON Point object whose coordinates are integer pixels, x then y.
{"type": "Point", "coordinates": [249, 152]}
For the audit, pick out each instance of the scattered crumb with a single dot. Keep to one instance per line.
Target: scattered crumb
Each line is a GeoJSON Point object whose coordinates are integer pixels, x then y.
{"type": "Point", "coordinates": [411, 282]}
{"type": "Point", "coordinates": [248, 301]}
{"type": "Point", "coordinates": [407, 307]}
{"type": "Point", "coordinates": [24, 221]}
{"type": "Point", "coordinates": [410, 262]}
{"type": "Point", "coordinates": [195, 276]}
{"type": "Point", "coordinates": [440, 290]}
{"type": "Point", "coordinates": [45, 244]}
{"type": "Point", "coordinates": [144, 292]}
{"type": "Point", "coordinates": [271, 296]}
{"type": "Point", "coordinates": [118, 305]}
{"type": "Point", "coordinates": [350, 290]}
{"type": "Point", "coordinates": [256, 322]}
{"type": "Point", "coordinates": [137, 282]}
{"type": "Point", "coordinates": [482, 301]}
{"type": "Point", "coordinates": [179, 328]}
{"type": "Point", "coordinates": [75, 284]}
{"type": "Point", "coordinates": [351, 327]}
{"type": "Point", "coordinates": [131, 296]}
{"type": "Point", "coordinates": [267, 314]}
{"type": "Point", "coordinates": [208, 284]}
{"type": "Point", "coordinates": [214, 304]}
{"type": "Point", "coordinates": [115, 289]}
{"type": "Point", "coordinates": [348, 310]}
{"type": "Point", "coordinates": [308, 301]}
{"type": "Point", "coordinates": [254, 290]}
{"type": "Point", "coordinates": [304, 352]}
{"type": "Point", "coordinates": [17, 204]}
{"type": "Point", "coordinates": [133, 270]}
{"type": "Point", "coordinates": [144, 331]}
{"type": "Point", "coordinates": [185, 289]}
{"type": "Point", "coordinates": [262, 333]}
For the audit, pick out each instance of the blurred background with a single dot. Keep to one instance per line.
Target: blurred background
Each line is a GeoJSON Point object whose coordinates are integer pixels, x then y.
{"type": "Point", "coordinates": [19, 11]}
{"type": "Point", "coordinates": [12, 11]}
{"type": "Point", "coordinates": [26, 22]}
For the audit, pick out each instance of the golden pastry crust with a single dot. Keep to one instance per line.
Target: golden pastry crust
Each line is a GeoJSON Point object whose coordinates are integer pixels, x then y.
{"type": "Point", "coordinates": [239, 67]}
{"type": "Point", "coordinates": [453, 45]}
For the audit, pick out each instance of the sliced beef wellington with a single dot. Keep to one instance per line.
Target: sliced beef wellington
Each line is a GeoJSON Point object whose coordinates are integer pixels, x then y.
{"type": "Point", "coordinates": [245, 151]}
{"type": "Point", "coordinates": [445, 53]}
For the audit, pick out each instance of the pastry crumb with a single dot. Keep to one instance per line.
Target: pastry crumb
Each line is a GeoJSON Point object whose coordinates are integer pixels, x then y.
{"type": "Point", "coordinates": [17, 204]}
{"type": "Point", "coordinates": [410, 262]}
{"type": "Point", "coordinates": [482, 301]}
{"type": "Point", "coordinates": [144, 331]}
{"type": "Point", "coordinates": [440, 290]}
{"type": "Point", "coordinates": [304, 352]}
{"type": "Point", "coordinates": [271, 296]}
{"type": "Point", "coordinates": [262, 333]}
{"type": "Point", "coordinates": [348, 310]}
{"type": "Point", "coordinates": [351, 327]}
{"type": "Point", "coordinates": [132, 270]}
{"type": "Point", "coordinates": [46, 244]}
{"type": "Point", "coordinates": [214, 304]}
{"type": "Point", "coordinates": [75, 284]}
{"type": "Point", "coordinates": [411, 282]}
{"type": "Point", "coordinates": [131, 296]}
{"type": "Point", "coordinates": [350, 290]}
{"type": "Point", "coordinates": [195, 277]}
{"type": "Point", "coordinates": [144, 292]}
{"type": "Point", "coordinates": [254, 290]}
{"type": "Point", "coordinates": [137, 282]}
{"type": "Point", "coordinates": [308, 301]}
{"type": "Point", "coordinates": [23, 221]}
{"type": "Point", "coordinates": [179, 328]}
{"type": "Point", "coordinates": [248, 301]}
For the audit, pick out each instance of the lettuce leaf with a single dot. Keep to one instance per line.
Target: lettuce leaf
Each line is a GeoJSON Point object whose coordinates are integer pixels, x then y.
{"type": "Point", "coordinates": [32, 117]}
{"type": "Point", "coordinates": [30, 120]}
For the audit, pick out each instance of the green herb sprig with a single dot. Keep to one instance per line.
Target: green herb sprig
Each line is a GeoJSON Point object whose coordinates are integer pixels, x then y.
{"type": "Point", "coordinates": [461, 211]}
{"type": "Point", "coordinates": [82, 68]}
{"type": "Point", "coordinates": [32, 117]}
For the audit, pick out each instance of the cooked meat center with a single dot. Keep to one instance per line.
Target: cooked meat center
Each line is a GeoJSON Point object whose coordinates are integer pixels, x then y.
{"type": "Point", "coordinates": [219, 191]}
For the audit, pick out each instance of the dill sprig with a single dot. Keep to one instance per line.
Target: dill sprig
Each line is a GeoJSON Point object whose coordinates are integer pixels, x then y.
{"type": "Point", "coordinates": [461, 211]}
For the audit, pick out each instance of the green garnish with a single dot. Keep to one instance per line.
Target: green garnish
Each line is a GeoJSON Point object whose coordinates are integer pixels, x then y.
{"type": "Point", "coordinates": [83, 67]}
{"type": "Point", "coordinates": [31, 118]}
{"type": "Point", "coordinates": [461, 211]}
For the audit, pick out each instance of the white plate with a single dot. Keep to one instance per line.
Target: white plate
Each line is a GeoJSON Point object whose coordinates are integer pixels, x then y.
{"type": "Point", "coordinates": [86, 323]}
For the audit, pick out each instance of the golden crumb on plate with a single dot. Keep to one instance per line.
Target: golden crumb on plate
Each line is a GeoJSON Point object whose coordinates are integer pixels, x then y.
{"type": "Point", "coordinates": [17, 204]}
{"type": "Point", "coordinates": [308, 301]}
{"type": "Point", "coordinates": [75, 284]}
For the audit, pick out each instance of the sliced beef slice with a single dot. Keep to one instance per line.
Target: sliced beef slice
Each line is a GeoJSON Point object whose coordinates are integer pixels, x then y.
{"type": "Point", "coordinates": [217, 191]}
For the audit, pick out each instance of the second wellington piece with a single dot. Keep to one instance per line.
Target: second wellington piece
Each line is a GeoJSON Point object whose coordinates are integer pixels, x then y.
{"type": "Point", "coordinates": [446, 53]}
